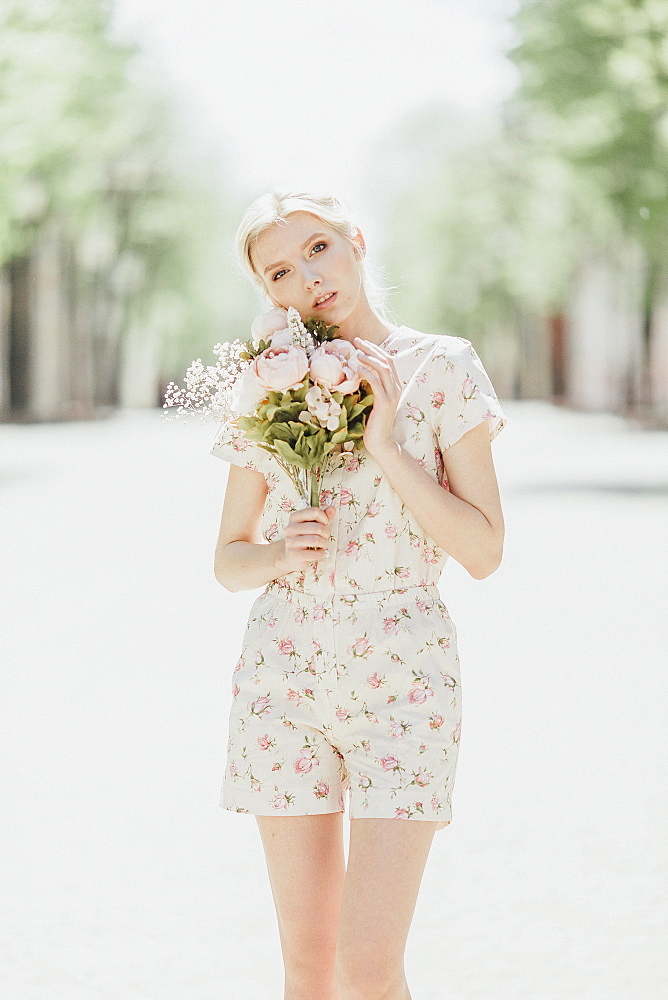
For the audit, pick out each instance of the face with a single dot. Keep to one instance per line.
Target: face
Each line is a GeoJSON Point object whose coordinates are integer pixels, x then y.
{"type": "Point", "coordinates": [301, 260]}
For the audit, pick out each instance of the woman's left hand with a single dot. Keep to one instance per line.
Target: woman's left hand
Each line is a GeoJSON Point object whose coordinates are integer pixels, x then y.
{"type": "Point", "coordinates": [381, 374]}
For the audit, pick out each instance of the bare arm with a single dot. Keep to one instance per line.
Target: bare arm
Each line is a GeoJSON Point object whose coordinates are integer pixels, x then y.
{"type": "Point", "coordinates": [243, 560]}
{"type": "Point", "coordinates": [466, 522]}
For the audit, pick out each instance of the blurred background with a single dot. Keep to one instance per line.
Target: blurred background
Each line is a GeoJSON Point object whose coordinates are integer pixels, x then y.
{"type": "Point", "coordinates": [508, 161]}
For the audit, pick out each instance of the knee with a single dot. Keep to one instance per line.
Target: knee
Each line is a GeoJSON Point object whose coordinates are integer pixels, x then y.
{"type": "Point", "coordinates": [361, 975]}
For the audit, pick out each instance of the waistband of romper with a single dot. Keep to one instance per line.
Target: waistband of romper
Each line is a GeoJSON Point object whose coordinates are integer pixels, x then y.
{"type": "Point", "coordinates": [362, 598]}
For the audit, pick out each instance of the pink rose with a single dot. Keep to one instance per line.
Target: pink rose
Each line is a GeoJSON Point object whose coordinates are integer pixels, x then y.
{"type": "Point", "coordinates": [401, 814]}
{"type": "Point", "coordinates": [263, 326]}
{"type": "Point", "coordinates": [300, 615]}
{"type": "Point", "coordinates": [429, 555]}
{"type": "Point", "coordinates": [235, 690]}
{"type": "Point", "coordinates": [365, 781]}
{"type": "Point", "coordinates": [279, 802]}
{"type": "Point", "coordinates": [421, 606]}
{"type": "Point", "coordinates": [276, 767]}
{"type": "Point", "coordinates": [360, 647]}
{"type": "Point", "coordinates": [282, 367]}
{"type": "Point", "coordinates": [449, 681]}
{"type": "Point", "coordinates": [318, 616]}
{"type": "Point", "coordinates": [417, 695]}
{"type": "Point", "coordinates": [437, 399]}
{"type": "Point", "coordinates": [374, 681]}
{"type": "Point", "coordinates": [335, 366]}
{"type": "Point", "coordinates": [345, 496]}
{"type": "Point", "coordinates": [390, 626]}
{"type": "Point", "coordinates": [435, 802]}
{"type": "Point", "coordinates": [391, 531]}
{"type": "Point", "coordinates": [286, 647]}
{"type": "Point", "coordinates": [264, 742]}
{"type": "Point", "coordinates": [469, 389]}
{"type": "Point", "coordinates": [389, 762]}
{"type": "Point", "coordinates": [260, 705]}
{"type": "Point", "coordinates": [304, 764]}
{"type": "Point", "coordinates": [402, 571]}
{"type": "Point", "coordinates": [241, 663]}
{"type": "Point", "coordinates": [397, 730]}
{"type": "Point", "coordinates": [373, 509]}
{"type": "Point", "coordinates": [326, 498]}
{"type": "Point", "coordinates": [342, 714]}
{"type": "Point", "coordinates": [321, 790]}
{"type": "Point", "coordinates": [293, 695]}
{"type": "Point", "coordinates": [422, 778]}
{"type": "Point", "coordinates": [456, 732]}
{"type": "Point", "coordinates": [436, 721]}
{"type": "Point", "coordinates": [353, 549]}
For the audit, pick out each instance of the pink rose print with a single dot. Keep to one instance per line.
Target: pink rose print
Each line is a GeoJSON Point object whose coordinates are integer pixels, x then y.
{"type": "Point", "coordinates": [280, 802]}
{"type": "Point", "coordinates": [353, 549]}
{"type": "Point", "coordinates": [421, 377]}
{"type": "Point", "coordinates": [326, 498]}
{"type": "Point", "coordinates": [361, 647]}
{"type": "Point", "coordinates": [321, 790]}
{"type": "Point", "coordinates": [422, 777]}
{"type": "Point", "coordinates": [401, 814]}
{"type": "Point", "coordinates": [397, 729]}
{"type": "Point", "coordinates": [300, 615]}
{"type": "Point", "coordinates": [444, 642]}
{"type": "Point", "coordinates": [345, 496]}
{"type": "Point", "coordinates": [373, 510]}
{"type": "Point", "coordinates": [429, 555]}
{"type": "Point", "coordinates": [264, 742]}
{"type": "Point", "coordinates": [456, 732]}
{"type": "Point", "coordinates": [402, 572]}
{"type": "Point", "coordinates": [286, 647]}
{"type": "Point", "coordinates": [414, 411]}
{"type": "Point", "coordinates": [435, 802]}
{"type": "Point", "coordinates": [419, 694]}
{"type": "Point", "coordinates": [391, 531]}
{"type": "Point", "coordinates": [365, 781]}
{"type": "Point", "coordinates": [235, 690]}
{"type": "Point", "coordinates": [260, 705]}
{"type": "Point", "coordinates": [353, 464]}
{"type": "Point", "coordinates": [309, 693]}
{"type": "Point", "coordinates": [342, 714]}
{"type": "Point", "coordinates": [436, 721]}
{"type": "Point", "coordinates": [276, 767]}
{"type": "Point", "coordinates": [469, 389]}
{"type": "Point", "coordinates": [318, 616]}
{"type": "Point", "coordinates": [304, 764]}
{"type": "Point", "coordinates": [295, 696]}
{"type": "Point", "coordinates": [449, 681]}
{"type": "Point", "coordinates": [421, 606]}
{"type": "Point", "coordinates": [437, 399]}
{"type": "Point", "coordinates": [241, 663]}
{"type": "Point", "coordinates": [389, 762]}
{"type": "Point", "coordinates": [272, 623]}
{"type": "Point", "coordinates": [374, 681]}
{"type": "Point", "coordinates": [390, 626]}
{"type": "Point", "coordinates": [233, 770]}
{"type": "Point", "coordinates": [287, 505]}
{"type": "Point", "coordinates": [317, 648]}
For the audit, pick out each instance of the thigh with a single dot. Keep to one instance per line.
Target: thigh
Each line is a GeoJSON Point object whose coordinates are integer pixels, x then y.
{"type": "Point", "coordinates": [386, 861]}
{"type": "Point", "coordinates": [306, 867]}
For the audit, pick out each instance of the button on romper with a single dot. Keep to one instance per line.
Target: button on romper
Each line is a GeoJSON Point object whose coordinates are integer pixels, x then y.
{"type": "Point", "coordinates": [348, 678]}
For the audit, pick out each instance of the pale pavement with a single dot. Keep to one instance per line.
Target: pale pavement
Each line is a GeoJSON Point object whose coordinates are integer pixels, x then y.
{"type": "Point", "coordinates": [120, 877]}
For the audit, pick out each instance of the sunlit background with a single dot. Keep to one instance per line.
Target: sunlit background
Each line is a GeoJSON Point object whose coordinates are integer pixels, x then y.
{"type": "Point", "coordinates": [508, 164]}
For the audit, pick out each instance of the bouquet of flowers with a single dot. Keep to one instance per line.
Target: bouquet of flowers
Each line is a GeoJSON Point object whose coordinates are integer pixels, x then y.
{"type": "Point", "coordinates": [294, 388]}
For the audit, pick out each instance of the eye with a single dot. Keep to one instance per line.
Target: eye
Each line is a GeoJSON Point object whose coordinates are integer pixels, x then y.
{"type": "Point", "coordinates": [278, 274]}
{"type": "Point", "coordinates": [316, 245]}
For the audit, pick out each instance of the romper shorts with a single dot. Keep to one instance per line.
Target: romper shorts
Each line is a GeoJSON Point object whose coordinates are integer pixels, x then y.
{"type": "Point", "coordinates": [345, 693]}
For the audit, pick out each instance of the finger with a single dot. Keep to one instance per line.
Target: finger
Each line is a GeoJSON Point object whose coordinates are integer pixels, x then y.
{"type": "Point", "coordinates": [310, 514]}
{"type": "Point", "coordinates": [309, 542]}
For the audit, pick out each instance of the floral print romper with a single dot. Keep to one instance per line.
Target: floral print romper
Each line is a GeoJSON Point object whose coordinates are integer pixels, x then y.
{"type": "Point", "coordinates": [348, 678]}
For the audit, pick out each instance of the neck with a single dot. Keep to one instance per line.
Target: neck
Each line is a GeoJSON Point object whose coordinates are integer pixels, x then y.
{"type": "Point", "coordinates": [363, 322]}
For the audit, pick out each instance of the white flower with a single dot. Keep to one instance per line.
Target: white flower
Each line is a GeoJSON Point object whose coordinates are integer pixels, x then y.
{"type": "Point", "coordinates": [247, 392]}
{"type": "Point", "coordinates": [320, 405]}
{"type": "Point", "coordinates": [263, 326]}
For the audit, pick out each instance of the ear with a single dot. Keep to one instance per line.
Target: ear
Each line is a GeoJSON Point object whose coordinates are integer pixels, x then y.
{"type": "Point", "coordinates": [360, 246]}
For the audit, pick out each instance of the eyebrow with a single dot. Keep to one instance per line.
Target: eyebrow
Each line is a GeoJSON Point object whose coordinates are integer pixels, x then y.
{"type": "Point", "coordinates": [303, 247]}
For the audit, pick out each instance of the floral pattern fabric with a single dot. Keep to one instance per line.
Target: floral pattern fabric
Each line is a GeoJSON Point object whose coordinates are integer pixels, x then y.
{"type": "Point", "coordinates": [349, 676]}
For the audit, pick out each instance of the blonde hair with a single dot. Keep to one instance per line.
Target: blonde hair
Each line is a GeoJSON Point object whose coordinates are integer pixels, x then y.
{"type": "Point", "coordinates": [275, 206]}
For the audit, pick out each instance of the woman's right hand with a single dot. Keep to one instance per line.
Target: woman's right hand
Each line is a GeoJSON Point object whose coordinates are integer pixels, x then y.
{"type": "Point", "coordinates": [305, 538]}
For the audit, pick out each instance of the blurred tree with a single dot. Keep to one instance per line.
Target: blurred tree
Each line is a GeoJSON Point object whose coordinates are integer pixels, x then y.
{"type": "Point", "coordinates": [113, 264]}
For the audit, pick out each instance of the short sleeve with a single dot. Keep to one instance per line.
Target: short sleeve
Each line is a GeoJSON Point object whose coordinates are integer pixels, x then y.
{"type": "Point", "coordinates": [461, 393]}
{"type": "Point", "coordinates": [233, 446]}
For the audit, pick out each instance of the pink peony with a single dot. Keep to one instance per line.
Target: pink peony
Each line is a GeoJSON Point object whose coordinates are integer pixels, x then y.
{"type": "Point", "coordinates": [263, 326]}
{"type": "Point", "coordinates": [281, 368]}
{"type": "Point", "coordinates": [335, 366]}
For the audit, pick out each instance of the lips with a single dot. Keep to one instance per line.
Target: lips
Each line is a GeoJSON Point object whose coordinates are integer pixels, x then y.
{"type": "Point", "coordinates": [326, 303]}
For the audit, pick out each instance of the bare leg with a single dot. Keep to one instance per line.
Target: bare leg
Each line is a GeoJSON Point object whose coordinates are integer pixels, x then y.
{"type": "Point", "coordinates": [306, 868]}
{"type": "Point", "coordinates": [386, 861]}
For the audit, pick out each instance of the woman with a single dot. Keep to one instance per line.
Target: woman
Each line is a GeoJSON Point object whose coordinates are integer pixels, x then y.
{"type": "Point", "coordinates": [349, 674]}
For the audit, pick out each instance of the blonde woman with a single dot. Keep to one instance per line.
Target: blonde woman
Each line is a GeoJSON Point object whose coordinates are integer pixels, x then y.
{"type": "Point", "coordinates": [348, 682]}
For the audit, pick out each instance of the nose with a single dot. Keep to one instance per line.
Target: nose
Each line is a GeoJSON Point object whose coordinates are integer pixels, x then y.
{"type": "Point", "coordinates": [311, 279]}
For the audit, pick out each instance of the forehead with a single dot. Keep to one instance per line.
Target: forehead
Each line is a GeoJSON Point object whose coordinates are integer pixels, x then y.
{"type": "Point", "coordinates": [285, 237]}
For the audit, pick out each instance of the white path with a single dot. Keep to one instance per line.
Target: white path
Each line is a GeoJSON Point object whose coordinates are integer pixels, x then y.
{"type": "Point", "coordinates": [119, 875]}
